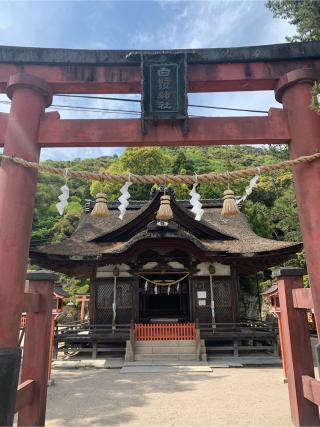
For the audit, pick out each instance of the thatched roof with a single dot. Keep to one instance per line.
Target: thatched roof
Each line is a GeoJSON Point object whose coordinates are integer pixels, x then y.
{"type": "Point", "coordinates": [97, 239]}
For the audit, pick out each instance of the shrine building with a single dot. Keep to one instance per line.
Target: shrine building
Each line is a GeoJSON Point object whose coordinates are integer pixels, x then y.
{"type": "Point", "coordinates": [150, 272]}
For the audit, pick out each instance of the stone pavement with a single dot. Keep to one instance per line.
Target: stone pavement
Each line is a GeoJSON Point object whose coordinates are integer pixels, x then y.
{"type": "Point", "coordinates": [222, 397]}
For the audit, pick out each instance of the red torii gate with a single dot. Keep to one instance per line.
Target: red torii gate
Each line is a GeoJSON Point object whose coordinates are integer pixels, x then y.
{"type": "Point", "coordinates": [30, 76]}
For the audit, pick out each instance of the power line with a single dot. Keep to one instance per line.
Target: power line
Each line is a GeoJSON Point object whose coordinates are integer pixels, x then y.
{"type": "Point", "coordinates": [97, 109]}
{"type": "Point", "coordinates": [87, 109]}
{"type": "Point", "coordinates": [135, 112]}
{"type": "Point", "coordinates": [227, 108]}
{"type": "Point", "coordinates": [100, 97]}
{"type": "Point", "coordinates": [190, 105]}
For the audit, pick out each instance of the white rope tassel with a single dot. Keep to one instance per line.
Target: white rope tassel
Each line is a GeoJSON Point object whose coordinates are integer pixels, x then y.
{"type": "Point", "coordinates": [249, 189]}
{"type": "Point", "coordinates": [195, 201]}
{"type": "Point", "coordinates": [169, 290]}
{"type": "Point", "coordinates": [213, 314]}
{"type": "Point", "coordinates": [178, 287]}
{"type": "Point", "coordinates": [146, 286]}
{"type": "Point", "coordinates": [114, 309]}
{"type": "Point", "coordinates": [114, 306]}
{"type": "Point", "coordinates": [123, 199]}
{"type": "Point", "coordinates": [64, 196]}
{"type": "Point", "coordinates": [156, 290]}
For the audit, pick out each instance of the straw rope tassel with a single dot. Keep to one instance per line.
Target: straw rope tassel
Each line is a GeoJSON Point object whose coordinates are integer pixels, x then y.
{"type": "Point", "coordinates": [101, 208]}
{"type": "Point", "coordinates": [165, 212]}
{"type": "Point", "coordinates": [230, 206]}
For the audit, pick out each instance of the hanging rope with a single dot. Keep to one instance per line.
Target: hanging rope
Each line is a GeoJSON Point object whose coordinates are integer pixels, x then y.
{"type": "Point", "coordinates": [213, 314]}
{"type": "Point", "coordinates": [114, 304]}
{"type": "Point", "coordinates": [163, 179]}
{"type": "Point", "coordinates": [159, 283]}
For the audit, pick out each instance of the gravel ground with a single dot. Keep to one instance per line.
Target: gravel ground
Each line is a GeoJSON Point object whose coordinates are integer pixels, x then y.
{"type": "Point", "coordinates": [225, 397]}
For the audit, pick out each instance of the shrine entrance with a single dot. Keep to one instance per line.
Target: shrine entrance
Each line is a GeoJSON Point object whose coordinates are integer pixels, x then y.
{"type": "Point", "coordinates": [159, 303]}
{"type": "Point", "coordinates": [31, 76]}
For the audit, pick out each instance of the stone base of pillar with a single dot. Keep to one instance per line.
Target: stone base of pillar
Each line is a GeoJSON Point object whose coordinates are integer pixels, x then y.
{"type": "Point", "coordinates": [9, 376]}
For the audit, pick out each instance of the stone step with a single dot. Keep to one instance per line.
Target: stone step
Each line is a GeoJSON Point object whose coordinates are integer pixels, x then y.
{"type": "Point", "coordinates": [170, 356]}
{"type": "Point", "coordinates": [162, 343]}
{"type": "Point", "coordinates": [164, 350]}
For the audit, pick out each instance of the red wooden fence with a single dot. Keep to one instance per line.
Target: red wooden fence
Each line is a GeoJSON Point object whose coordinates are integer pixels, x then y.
{"type": "Point", "coordinates": [165, 331]}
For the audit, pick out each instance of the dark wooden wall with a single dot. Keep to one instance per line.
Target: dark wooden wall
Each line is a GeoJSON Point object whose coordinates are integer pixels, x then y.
{"type": "Point", "coordinates": [225, 292]}
{"type": "Point", "coordinates": [224, 298]}
{"type": "Point", "coordinates": [127, 289]}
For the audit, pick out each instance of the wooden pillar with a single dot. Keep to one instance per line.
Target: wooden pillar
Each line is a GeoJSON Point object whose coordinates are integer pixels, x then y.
{"type": "Point", "coordinates": [52, 331]}
{"type": "Point", "coordinates": [282, 349]}
{"type": "Point", "coordinates": [83, 307]}
{"type": "Point", "coordinates": [92, 302]}
{"type": "Point", "coordinates": [294, 91]}
{"type": "Point", "coordinates": [297, 347]}
{"type": "Point", "coordinates": [235, 293]}
{"type": "Point", "coordinates": [30, 95]}
{"type": "Point", "coordinates": [36, 353]}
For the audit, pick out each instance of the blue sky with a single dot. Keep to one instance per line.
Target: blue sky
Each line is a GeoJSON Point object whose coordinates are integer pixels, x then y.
{"type": "Point", "coordinates": [141, 25]}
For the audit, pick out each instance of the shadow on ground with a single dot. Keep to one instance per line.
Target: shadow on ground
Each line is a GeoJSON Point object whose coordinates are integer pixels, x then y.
{"type": "Point", "coordinates": [104, 397]}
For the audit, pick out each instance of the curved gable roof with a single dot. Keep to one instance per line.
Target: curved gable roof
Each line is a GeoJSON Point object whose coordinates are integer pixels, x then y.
{"type": "Point", "coordinates": [111, 228]}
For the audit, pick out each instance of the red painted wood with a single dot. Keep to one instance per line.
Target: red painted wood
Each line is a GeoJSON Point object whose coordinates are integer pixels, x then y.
{"type": "Point", "coordinates": [31, 302]}
{"type": "Point", "coordinates": [165, 331]}
{"type": "Point", "coordinates": [296, 339]}
{"type": "Point", "coordinates": [302, 298]}
{"type": "Point", "coordinates": [36, 355]}
{"type": "Point", "coordinates": [51, 343]}
{"type": "Point", "coordinates": [3, 126]}
{"type": "Point", "coordinates": [25, 394]}
{"type": "Point", "coordinates": [282, 348]}
{"type": "Point", "coordinates": [17, 192]}
{"type": "Point", "coordinates": [127, 79]}
{"type": "Point", "coordinates": [311, 389]}
{"type": "Point", "coordinates": [304, 126]}
{"type": "Point", "coordinates": [271, 129]}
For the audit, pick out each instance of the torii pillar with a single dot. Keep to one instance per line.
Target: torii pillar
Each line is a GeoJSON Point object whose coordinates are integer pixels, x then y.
{"type": "Point", "coordinates": [30, 96]}
{"type": "Point", "coordinates": [294, 91]}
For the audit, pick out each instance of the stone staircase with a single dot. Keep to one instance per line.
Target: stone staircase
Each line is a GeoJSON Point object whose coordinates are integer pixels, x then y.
{"type": "Point", "coordinates": [168, 350]}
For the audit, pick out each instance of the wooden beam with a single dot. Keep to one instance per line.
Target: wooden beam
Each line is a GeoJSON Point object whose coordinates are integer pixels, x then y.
{"type": "Point", "coordinates": [221, 77]}
{"type": "Point", "coordinates": [311, 389]}
{"type": "Point", "coordinates": [271, 129]}
{"type": "Point", "coordinates": [37, 336]}
{"type": "Point", "coordinates": [25, 394]}
{"type": "Point", "coordinates": [31, 302]}
{"type": "Point", "coordinates": [302, 298]}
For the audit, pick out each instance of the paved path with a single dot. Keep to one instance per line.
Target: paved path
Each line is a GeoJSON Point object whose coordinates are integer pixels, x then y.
{"type": "Point", "coordinates": [225, 397]}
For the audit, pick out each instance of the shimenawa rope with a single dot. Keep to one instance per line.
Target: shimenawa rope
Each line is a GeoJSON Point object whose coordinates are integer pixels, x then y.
{"type": "Point", "coordinates": [164, 178]}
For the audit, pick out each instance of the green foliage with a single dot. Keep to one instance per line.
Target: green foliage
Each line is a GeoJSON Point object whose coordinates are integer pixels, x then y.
{"type": "Point", "coordinates": [304, 14]}
{"type": "Point", "coordinates": [248, 284]}
{"type": "Point", "coordinates": [140, 161]}
{"type": "Point", "coordinates": [83, 289]}
{"type": "Point", "coordinates": [315, 104]}
{"type": "Point", "coordinates": [74, 286]}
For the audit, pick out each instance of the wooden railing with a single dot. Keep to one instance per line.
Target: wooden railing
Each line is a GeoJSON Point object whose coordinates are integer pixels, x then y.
{"type": "Point", "coordinates": [165, 331]}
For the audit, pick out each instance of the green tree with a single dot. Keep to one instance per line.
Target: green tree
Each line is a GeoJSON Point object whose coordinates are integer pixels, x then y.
{"type": "Point", "coordinates": [140, 161]}
{"type": "Point", "coordinates": [304, 14]}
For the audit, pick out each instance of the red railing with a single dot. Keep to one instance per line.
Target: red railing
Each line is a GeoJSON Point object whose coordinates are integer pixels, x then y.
{"type": "Point", "coordinates": [164, 331]}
